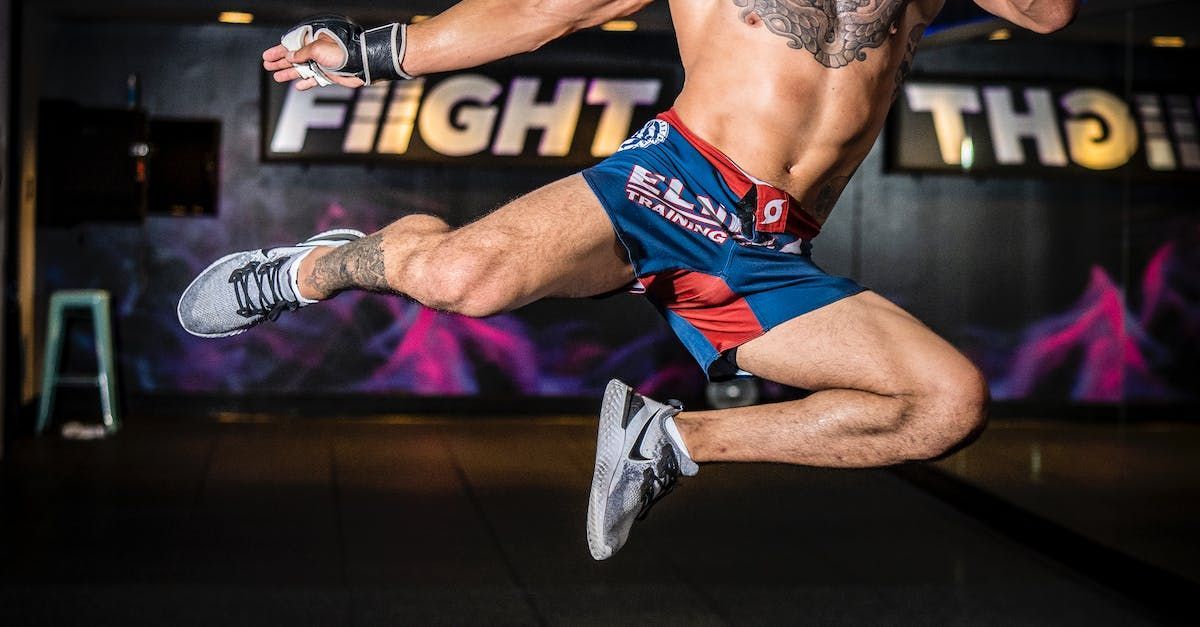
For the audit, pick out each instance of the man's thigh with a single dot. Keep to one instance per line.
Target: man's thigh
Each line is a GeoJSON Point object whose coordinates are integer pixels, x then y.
{"type": "Point", "coordinates": [862, 342]}
{"type": "Point", "coordinates": [554, 241]}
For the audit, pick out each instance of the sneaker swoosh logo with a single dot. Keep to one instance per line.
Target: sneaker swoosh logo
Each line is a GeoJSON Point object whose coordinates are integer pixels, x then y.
{"type": "Point", "coordinates": [331, 240]}
{"type": "Point", "coordinates": [635, 453]}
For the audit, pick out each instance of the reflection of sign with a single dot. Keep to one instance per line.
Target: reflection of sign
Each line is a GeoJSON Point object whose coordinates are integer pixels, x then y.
{"type": "Point", "coordinates": [469, 118]}
{"type": "Point", "coordinates": [1029, 129]}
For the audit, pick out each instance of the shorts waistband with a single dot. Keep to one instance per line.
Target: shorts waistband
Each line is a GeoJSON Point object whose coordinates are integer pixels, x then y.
{"type": "Point", "coordinates": [776, 211]}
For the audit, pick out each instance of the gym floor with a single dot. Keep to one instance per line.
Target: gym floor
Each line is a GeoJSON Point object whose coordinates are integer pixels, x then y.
{"type": "Point", "coordinates": [259, 519]}
{"type": "Point", "coordinates": [1133, 487]}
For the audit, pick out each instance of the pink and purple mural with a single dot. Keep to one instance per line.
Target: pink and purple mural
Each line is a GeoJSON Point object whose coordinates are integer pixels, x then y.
{"type": "Point", "coordinates": [1108, 347]}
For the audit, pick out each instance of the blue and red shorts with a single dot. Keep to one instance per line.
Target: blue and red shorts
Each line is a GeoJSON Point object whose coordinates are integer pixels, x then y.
{"type": "Point", "coordinates": [725, 257]}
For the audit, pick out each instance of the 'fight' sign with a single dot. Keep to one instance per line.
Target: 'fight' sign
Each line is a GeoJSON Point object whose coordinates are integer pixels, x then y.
{"type": "Point", "coordinates": [1036, 129]}
{"type": "Point", "coordinates": [476, 118]}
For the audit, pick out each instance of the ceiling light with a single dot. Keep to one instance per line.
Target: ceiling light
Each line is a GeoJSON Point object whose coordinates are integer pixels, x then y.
{"type": "Point", "coordinates": [619, 26]}
{"type": "Point", "coordinates": [1167, 41]}
{"type": "Point", "coordinates": [1000, 34]}
{"type": "Point", "coordinates": [235, 17]}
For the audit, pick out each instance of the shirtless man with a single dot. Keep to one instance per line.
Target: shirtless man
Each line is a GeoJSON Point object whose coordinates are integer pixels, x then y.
{"type": "Point", "coordinates": [709, 210]}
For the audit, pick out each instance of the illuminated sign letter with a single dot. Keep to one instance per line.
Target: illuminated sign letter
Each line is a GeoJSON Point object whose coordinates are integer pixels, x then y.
{"type": "Point", "coordinates": [360, 137]}
{"type": "Point", "coordinates": [557, 118]}
{"type": "Point", "coordinates": [1008, 127]}
{"type": "Point", "coordinates": [1183, 122]}
{"type": "Point", "coordinates": [1103, 135]}
{"type": "Point", "coordinates": [947, 103]}
{"type": "Point", "coordinates": [619, 98]}
{"type": "Point", "coordinates": [471, 129]}
{"type": "Point", "coordinates": [301, 111]}
{"type": "Point", "coordinates": [401, 116]}
{"type": "Point", "coordinates": [1159, 154]}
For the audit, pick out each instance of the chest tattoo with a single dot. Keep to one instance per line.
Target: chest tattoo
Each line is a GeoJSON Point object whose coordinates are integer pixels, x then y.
{"type": "Point", "coordinates": [836, 32]}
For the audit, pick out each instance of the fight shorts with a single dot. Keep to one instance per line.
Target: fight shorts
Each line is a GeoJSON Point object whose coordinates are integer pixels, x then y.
{"type": "Point", "coordinates": [723, 256]}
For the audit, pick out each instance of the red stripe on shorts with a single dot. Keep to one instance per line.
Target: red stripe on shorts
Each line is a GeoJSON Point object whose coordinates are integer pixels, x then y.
{"type": "Point", "coordinates": [706, 302]}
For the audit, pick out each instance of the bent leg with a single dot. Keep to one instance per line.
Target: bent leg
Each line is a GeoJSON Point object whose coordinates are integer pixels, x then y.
{"type": "Point", "coordinates": [886, 389]}
{"type": "Point", "coordinates": [555, 241]}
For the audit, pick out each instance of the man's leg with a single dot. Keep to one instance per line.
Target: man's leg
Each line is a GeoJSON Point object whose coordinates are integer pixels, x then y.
{"type": "Point", "coordinates": [555, 241]}
{"type": "Point", "coordinates": [886, 390]}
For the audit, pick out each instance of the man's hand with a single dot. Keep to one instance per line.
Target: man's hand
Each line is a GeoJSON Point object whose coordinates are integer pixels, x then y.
{"type": "Point", "coordinates": [328, 49]}
{"type": "Point", "coordinates": [325, 51]}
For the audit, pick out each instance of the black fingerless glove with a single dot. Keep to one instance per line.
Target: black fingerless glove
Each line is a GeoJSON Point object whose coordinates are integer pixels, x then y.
{"type": "Point", "coordinates": [372, 55]}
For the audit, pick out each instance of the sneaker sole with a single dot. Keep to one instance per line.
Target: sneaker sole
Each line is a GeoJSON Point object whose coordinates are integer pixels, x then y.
{"type": "Point", "coordinates": [610, 447]}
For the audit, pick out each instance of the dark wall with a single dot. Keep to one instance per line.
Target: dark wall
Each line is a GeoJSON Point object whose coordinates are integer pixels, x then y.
{"type": "Point", "coordinates": [1060, 287]}
{"type": "Point", "coordinates": [5, 82]}
{"type": "Point", "coordinates": [999, 266]}
{"type": "Point", "coordinates": [357, 342]}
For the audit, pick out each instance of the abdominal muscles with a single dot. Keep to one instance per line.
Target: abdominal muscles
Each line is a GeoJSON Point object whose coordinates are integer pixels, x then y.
{"type": "Point", "coordinates": [791, 91]}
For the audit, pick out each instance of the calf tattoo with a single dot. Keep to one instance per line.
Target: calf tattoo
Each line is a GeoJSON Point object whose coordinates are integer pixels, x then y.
{"type": "Point", "coordinates": [836, 32]}
{"type": "Point", "coordinates": [357, 265]}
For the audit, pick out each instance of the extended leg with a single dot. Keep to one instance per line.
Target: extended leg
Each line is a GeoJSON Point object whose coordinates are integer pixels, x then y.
{"type": "Point", "coordinates": [555, 241]}
{"type": "Point", "coordinates": [886, 390]}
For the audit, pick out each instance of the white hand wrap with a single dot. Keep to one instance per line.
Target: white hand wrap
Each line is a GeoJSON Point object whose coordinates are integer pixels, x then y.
{"type": "Point", "coordinates": [296, 39]}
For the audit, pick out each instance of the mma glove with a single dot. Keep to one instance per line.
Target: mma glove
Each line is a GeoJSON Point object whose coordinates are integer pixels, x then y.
{"type": "Point", "coordinates": [372, 55]}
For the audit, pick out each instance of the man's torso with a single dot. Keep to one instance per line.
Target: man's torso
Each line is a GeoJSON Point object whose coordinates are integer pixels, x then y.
{"type": "Point", "coordinates": [795, 91]}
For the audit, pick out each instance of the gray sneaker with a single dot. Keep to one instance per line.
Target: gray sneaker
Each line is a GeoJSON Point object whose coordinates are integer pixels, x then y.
{"type": "Point", "coordinates": [247, 288]}
{"type": "Point", "coordinates": [637, 463]}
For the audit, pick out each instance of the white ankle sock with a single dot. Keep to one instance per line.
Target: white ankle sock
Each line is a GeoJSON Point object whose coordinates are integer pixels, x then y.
{"type": "Point", "coordinates": [293, 280]}
{"type": "Point", "coordinates": [673, 431]}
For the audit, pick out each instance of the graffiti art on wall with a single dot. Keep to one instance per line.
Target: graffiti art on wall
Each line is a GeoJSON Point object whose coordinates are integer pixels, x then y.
{"type": "Point", "coordinates": [1107, 348]}
{"type": "Point", "coordinates": [360, 342]}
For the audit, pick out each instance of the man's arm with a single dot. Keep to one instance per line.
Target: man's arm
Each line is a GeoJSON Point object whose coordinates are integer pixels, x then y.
{"type": "Point", "coordinates": [470, 33]}
{"type": "Point", "coordinates": [1039, 16]}
{"type": "Point", "coordinates": [474, 32]}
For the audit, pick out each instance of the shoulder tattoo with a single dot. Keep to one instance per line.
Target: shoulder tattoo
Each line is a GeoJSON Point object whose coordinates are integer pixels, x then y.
{"type": "Point", "coordinates": [836, 32]}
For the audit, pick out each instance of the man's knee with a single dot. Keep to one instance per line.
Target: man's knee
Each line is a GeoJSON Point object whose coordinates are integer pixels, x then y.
{"type": "Point", "coordinates": [950, 411]}
{"type": "Point", "coordinates": [419, 223]}
{"type": "Point", "coordinates": [473, 285]}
